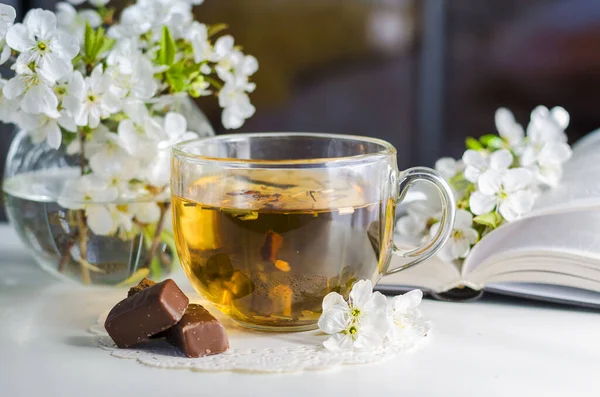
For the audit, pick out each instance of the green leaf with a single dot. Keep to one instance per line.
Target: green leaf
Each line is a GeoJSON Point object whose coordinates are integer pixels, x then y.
{"type": "Point", "coordinates": [107, 45]}
{"type": "Point", "coordinates": [176, 80]}
{"type": "Point", "coordinates": [492, 220]}
{"type": "Point", "coordinates": [88, 40]}
{"type": "Point", "coordinates": [473, 143]}
{"type": "Point", "coordinates": [166, 52]}
{"type": "Point", "coordinates": [491, 140]}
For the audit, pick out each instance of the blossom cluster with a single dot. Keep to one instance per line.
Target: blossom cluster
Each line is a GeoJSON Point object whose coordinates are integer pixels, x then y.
{"type": "Point", "coordinates": [367, 321]}
{"type": "Point", "coordinates": [497, 180]}
{"type": "Point", "coordinates": [113, 93]}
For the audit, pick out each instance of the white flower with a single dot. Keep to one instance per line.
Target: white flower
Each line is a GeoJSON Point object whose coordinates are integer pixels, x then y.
{"type": "Point", "coordinates": [94, 194]}
{"type": "Point", "coordinates": [550, 159]}
{"type": "Point", "coordinates": [88, 189]}
{"type": "Point", "coordinates": [509, 192]}
{"type": "Point", "coordinates": [145, 212]}
{"type": "Point", "coordinates": [70, 90]}
{"type": "Point", "coordinates": [8, 107]}
{"type": "Point", "coordinates": [420, 215]}
{"type": "Point", "coordinates": [5, 52]}
{"type": "Point", "coordinates": [43, 128]}
{"type": "Point", "coordinates": [236, 106]}
{"type": "Point", "coordinates": [462, 238]}
{"type": "Point", "coordinates": [140, 133]}
{"type": "Point", "coordinates": [98, 101]}
{"type": "Point", "coordinates": [511, 131]}
{"type": "Point", "coordinates": [547, 149]}
{"type": "Point", "coordinates": [133, 22]}
{"type": "Point", "coordinates": [151, 15]}
{"type": "Point", "coordinates": [131, 72]}
{"type": "Point", "coordinates": [73, 21]}
{"type": "Point", "coordinates": [7, 18]}
{"type": "Point", "coordinates": [448, 167]}
{"type": "Point", "coordinates": [404, 315]}
{"type": "Point", "coordinates": [360, 323]}
{"type": "Point", "coordinates": [477, 162]}
{"type": "Point", "coordinates": [197, 35]}
{"type": "Point", "coordinates": [174, 131]}
{"type": "Point", "coordinates": [41, 43]}
{"type": "Point", "coordinates": [548, 125]}
{"type": "Point", "coordinates": [33, 91]}
{"type": "Point", "coordinates": [111, 162]}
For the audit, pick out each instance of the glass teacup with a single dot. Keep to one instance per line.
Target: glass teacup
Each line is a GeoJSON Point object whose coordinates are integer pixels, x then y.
{"type": "Point", "coordinates": [266, 225]}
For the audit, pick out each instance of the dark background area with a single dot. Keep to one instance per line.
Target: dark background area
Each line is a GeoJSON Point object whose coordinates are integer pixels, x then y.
{"type": "Point", "coordinates": [422, 74]}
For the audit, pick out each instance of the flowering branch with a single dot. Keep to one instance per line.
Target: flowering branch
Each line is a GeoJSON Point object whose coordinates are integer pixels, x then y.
{"type": "Point", "coordinates": [497, 180]}
{"type": "Point", "coordinates": [109, 91]}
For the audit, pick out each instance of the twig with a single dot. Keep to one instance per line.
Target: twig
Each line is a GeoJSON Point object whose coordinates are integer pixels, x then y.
{"type": "Point", "coordinates": [82, 227]}
{"type": "Point", "coordinates": [157, 233]}
{"type": "Point", "coordinates": [83, 237]}
{"type": "Point", "coordinates": [65, 258]}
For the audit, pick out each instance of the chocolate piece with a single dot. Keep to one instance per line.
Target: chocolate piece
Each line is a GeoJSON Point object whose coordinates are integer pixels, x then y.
{"type": "Point", "coordinates": [152, 310]}
{"type": "Point", "coordinates": [145, 283]}
{"type": "Point", "coordinates": [198, 333]}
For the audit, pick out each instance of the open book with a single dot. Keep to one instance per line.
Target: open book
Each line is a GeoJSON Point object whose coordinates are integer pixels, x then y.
{"type": "Point", "coordinates": [552, 254]}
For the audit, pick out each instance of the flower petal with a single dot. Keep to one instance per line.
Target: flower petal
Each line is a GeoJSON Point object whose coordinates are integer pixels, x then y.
{"type": "Point", "coordinates": [490, 182]}
{"type": "Point", "coordinates": [5, 55]}
{"type": "Point", "coordinates": [463, 219]}
{"type": "Point", "coordinates": [53, 134]}
{"type": "Point", "coordinates": [40, 22]}
{"type": "Point", "coordinates": [410, 226]}
{"type": "Point", "coordinates": [507, 127]}
{"type": "Point", "coordinates": [146, 212]}
{"type": "Point", "coordinates": [334, 320]}
{"type": "Point", "coordinates": [446, 166]}
{"type": "Point", "coordinates": [501, 159]}
{"type": "Point", "coordinates": [377, 303]}
{"type": "Point", "coordinates": [361, 293]}
{"type": "Point", "coordinates": [175, 125]}
{"type": "Point", "coordinates": [100, 220]}
{"type": "Point", "coordinates": [561, 116]}
{"type": "Point", "coordinates": [40, 99]}
{"type": "Point", "coordinates": [333, 299]}
{"type": "Point", "coordinates": [481, 204]}
{"type": "Point", "coordinates": [14, 87]}
{"type": "Point", "coordinates": [470, 235]}
{"type": "Point", "coordinates": [516, 205]}
{"type": "Point", "coordinates": [18, 38]}
{"type": "Point", "coordinates": [337, 342]}
{"type": "Point", "coordinates": [407, 301]}
{"type": "Point", "coordinates": [554, 153]}
{"type": "Point", "coordinates": [516, 179]}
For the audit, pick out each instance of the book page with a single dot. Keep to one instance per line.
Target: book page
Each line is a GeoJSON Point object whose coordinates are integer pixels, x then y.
{"type": "Point", "coordinates": [569, 234]}
{"type": "Point", "coordinates": [580, 185]}
{"type": "Point", "coordinates": [548, 292]}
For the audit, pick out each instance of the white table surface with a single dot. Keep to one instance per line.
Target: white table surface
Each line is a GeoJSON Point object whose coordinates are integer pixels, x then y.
{"type": "Point", "coordinates": [487, 348]}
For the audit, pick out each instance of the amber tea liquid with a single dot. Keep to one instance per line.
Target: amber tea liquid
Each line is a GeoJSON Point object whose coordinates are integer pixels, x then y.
{"type": "Point", "coordinates": [269, 252]}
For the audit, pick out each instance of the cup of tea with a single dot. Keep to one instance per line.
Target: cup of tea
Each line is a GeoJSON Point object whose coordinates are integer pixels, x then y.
{"type": "Point", "coordinates": [267, 224]}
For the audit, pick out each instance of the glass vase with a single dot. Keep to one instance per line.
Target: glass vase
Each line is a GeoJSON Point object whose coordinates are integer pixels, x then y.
{"type": "Point", "coordinates": [59, 238]}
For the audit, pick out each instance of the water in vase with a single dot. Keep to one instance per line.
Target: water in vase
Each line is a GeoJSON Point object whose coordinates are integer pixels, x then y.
{"type": "Point", "coordinates": [51, 234]}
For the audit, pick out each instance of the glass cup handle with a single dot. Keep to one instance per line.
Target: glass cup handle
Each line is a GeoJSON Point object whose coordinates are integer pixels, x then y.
{"type": "Point", "coordinates": [418, 255]}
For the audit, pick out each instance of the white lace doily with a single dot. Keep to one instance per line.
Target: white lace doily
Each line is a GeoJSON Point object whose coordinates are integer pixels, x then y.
{"type": "Point", "coordinates": [251, 351]}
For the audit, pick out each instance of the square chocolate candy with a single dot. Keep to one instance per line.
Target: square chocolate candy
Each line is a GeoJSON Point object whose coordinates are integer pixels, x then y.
{"type": "Point", "coordinates": [198, 333]}
{"type": "Point", "coordinates": [147, 312]}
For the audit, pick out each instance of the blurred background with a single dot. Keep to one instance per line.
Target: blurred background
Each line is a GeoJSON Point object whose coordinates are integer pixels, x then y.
{"type": "Point", "coordinates": [422, 74]}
